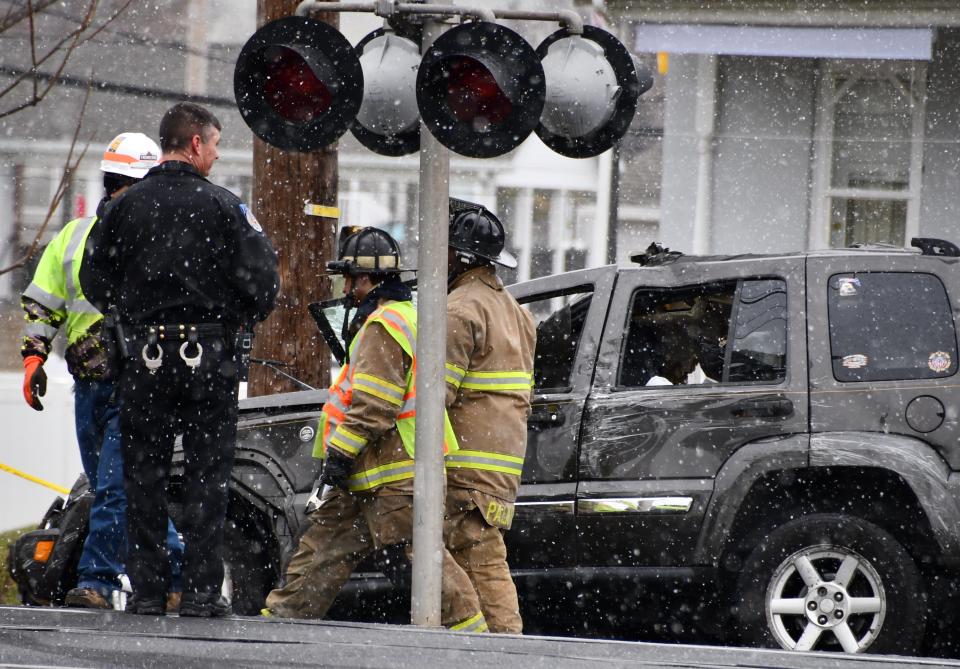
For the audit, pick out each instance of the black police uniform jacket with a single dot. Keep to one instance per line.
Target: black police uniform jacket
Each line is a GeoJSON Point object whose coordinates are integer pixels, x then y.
{"type": "Point", "coordinates": [175, 248]}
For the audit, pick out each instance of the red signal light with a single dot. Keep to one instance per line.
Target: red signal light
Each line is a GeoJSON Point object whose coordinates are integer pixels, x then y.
{"type": "Point", "coordinates": [298, 84]}
{"type": "Point", "coordinates": [473, 94]}
{"type": "Point", "coordinates": [291, 88]}
{"type": "Point", "coordinates": [480, 89]}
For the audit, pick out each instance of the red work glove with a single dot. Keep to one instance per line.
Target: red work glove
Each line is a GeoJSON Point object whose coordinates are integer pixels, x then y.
{"type": "Point", "coordinates": [34, 381]}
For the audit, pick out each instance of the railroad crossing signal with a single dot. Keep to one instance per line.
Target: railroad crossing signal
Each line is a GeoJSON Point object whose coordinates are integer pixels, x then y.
{"type": "Point", "coordinates": [480, 89]}
{"type": "Point", "coordinates": [298, 83]}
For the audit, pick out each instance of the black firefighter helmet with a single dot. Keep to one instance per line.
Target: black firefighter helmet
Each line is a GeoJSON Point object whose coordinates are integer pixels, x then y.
{"type": "Point", "coordinates": [366, 251]}
{"type": "Point", "coordinates": [476, 233]}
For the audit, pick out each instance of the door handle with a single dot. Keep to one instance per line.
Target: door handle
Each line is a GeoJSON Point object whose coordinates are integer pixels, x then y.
{"type": "Point", "coordinates": [763, 408]}
{"type": "Point", "coordinates": [543, 418]}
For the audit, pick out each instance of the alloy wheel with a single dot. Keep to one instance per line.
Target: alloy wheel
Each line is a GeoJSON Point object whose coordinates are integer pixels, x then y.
{"type": "Point", "coordinates": [825, 597]}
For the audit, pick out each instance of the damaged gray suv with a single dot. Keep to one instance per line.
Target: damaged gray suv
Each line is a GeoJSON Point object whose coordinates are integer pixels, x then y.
{"type": "Point", "coordinates": [748, 449]}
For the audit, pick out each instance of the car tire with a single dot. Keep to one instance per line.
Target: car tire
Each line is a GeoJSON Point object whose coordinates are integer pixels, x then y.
{"type": "Point", "coordinates": [831, 582]}
{"type": "Point", "coordinates": [247, 573]}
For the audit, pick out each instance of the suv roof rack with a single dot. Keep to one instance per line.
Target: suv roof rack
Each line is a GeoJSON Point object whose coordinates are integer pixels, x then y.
{"type": "Point", "coordinates": [655, 255]}
{"type": "Point", "coordinates": [930, 246]}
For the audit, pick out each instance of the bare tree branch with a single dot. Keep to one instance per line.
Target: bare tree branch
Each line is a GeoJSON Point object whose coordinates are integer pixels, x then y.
{"type": "Point", "coordinates": [15, 16]}
{"type": "Point", "coordinates": [69, 168]}
{"type": "Point", "coordinates": [84, 31]}
{"type": "Point", "coordinates": [33, 44]}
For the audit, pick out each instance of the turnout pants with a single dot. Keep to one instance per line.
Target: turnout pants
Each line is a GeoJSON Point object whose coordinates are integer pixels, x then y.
{"type": "Point", "coordinates": [479, 549]}
{"type": "Point", "coordinates": [342, 532]}
{"type": "Point", "coordinates": [200, 404]}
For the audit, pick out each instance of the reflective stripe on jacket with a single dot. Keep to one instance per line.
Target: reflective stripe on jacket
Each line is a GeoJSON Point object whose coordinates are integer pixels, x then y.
{"type": "Point", "coordinates": [54, 298]}
{"type": "Point", "coordinates": [381, 463]}
{"type": "Point", "coordinates": [489, 375]}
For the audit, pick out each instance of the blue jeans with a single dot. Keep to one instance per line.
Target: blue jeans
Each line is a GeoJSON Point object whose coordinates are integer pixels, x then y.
{"type": "Point", "coordinates": [105, 548]}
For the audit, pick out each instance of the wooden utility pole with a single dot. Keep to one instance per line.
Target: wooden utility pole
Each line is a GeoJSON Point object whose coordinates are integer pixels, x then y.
{"type": "Point", "coordinates": [283, 181]}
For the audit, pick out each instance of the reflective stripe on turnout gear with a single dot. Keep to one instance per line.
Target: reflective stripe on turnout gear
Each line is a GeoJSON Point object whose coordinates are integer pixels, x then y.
{"type": "Point", "coordinates": [76, 240]}
{"type": "Point", "coordinates": [378, 476]}
{"type": "Point", "coordinates": [38, 329]}
{"type": "Point", "coordinates": [475, 623]}
{"type": "Point", "coordinates": [454, 375]}
{"type": "Point", "coordinates": [43, 298]}
{"type": "Point", "coordinates": [486, 460]}
{"type": "Point", "coordinates": [513, 380]}
{"type": "Point", "coordinates": [347, 441]}
{"type": "Point", "coordinates": [378, 387]}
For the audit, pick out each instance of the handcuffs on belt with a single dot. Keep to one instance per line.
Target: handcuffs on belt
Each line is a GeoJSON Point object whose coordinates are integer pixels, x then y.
{"type": "Point", "coordinates": [158, 333]}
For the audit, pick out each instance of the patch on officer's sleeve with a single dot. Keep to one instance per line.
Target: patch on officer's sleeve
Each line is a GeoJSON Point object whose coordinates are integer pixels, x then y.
{"type": "Point", "coordinates": [251, 219]}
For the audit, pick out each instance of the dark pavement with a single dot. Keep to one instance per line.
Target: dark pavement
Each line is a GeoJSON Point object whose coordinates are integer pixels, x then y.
{"type": "Point", "coordinates": [39, 637]}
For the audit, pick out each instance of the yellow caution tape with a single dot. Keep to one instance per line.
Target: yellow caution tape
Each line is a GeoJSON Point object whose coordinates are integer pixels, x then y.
{"type": "Point", "coordinates": [311, 209]}
{"type": "Point", "coordinates": [34, 479]}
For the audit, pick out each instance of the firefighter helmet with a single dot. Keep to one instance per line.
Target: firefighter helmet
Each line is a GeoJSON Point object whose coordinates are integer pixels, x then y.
{"type": "Point", "coordinates": [476, 233]}
{"type": "Point", "coordinates": [366, 251]}
{"type": "Point", "coordinates": [131, 154]}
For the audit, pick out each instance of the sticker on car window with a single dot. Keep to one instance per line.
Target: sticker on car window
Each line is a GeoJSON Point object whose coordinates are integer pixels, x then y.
{"type": "Point", "coordinates": [855, 361]}
{"type": "Point", "coordinates": [849, 286]}
{"type": "Point", "coordinates": [939, 361]}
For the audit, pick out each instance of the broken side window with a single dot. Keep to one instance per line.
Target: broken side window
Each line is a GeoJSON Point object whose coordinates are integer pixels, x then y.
{"type": "Point", "coordinates": [721, 332]}
{"type": "Point", "coordinates": [560, 320]}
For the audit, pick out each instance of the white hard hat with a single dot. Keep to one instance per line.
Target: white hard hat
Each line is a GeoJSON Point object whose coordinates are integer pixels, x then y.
{"type": "Point", "coordinates": [130, 154]}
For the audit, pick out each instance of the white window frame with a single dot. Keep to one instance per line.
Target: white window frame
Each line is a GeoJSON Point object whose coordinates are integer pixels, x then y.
{"type": "Point", "coordinates": [823, 190]}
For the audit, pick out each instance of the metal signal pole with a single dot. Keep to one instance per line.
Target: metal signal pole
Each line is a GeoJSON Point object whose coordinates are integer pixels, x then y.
{"type": "Point", "coordinates": [429, 474]}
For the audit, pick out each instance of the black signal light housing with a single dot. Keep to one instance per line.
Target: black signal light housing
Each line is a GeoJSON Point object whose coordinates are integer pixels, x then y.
{"type": "Point", "coordinates": [388, 121]}
{"type": "Point", "coordinates": [298, 84]}
{"type": "Point", "coordinates": [593, 88]}
{"type": "Point", "coordinates": [480, 89]}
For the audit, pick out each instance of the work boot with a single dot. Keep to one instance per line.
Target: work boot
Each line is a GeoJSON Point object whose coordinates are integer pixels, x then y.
{"type": "Point", "coordinates": [86, 598]}
{"type": "Point", "coordinates": [146, 606]}
{"type": "Point", "coordinates": [173, 602]}
{"type": "Point", "coordinates": [203, 605]}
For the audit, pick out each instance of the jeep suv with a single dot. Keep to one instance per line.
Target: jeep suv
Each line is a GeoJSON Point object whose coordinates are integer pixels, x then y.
{"type": "Point", "coordinates": [766, 448]}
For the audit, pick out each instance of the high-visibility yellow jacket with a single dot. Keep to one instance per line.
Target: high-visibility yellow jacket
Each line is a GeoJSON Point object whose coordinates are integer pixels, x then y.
{"type": "Point", "coordinates": [54, 298]}
{"type": "Point", "coordinates": [489, 375]}
{"type": "Point", "coordinates": [371, 412]}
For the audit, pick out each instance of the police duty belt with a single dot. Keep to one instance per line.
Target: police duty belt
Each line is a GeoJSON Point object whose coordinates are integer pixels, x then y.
{"type": "Point", "coordinates": [152, 352]}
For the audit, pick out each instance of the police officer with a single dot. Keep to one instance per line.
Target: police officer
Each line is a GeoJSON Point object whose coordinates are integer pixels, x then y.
{"type": "Point", "coordinates": [489, 374]}
{"type": "Point", "coordinates": [54, 301]}
{"type": "Point", "coordinates": [366, 438]}
{"type": "Point", "coordinates": [186, 266]}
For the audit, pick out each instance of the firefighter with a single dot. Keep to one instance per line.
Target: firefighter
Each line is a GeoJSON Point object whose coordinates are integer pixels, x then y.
{"type": "Point", "coordinates": [53, 301]}
{"type": "Point", "coordinates": [489, 375]}
{"type": "Point", "coordinates": [186, 266]}
{"type": "Point", "coordinates": [366, 438]}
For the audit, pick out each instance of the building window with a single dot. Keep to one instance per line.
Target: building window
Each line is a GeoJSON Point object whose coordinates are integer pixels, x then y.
{"type": "Point", "coordinates": [869, 153]}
